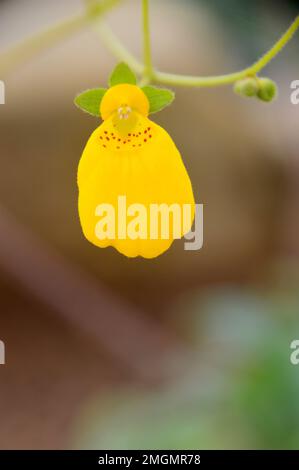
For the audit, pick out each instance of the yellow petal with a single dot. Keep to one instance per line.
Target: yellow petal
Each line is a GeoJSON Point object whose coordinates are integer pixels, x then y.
{"type": "Point", "coordinates": [145, 166]}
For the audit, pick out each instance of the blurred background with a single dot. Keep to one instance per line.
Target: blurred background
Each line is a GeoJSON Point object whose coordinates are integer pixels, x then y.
{"type": "Point", "coordinates": [190, 350]}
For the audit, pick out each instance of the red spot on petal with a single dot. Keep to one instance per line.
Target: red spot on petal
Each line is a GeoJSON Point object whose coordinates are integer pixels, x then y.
{"type": "Point", "coordinates": [145, 140]}
{"type": "Point", "coordinates": [150, 136]}
{"type": "Point", "coordinates": [145, 131]}
{"type": "Point", "coordinates": [107, 138]}
{"type": "Point", "coordinates": [105, 132]}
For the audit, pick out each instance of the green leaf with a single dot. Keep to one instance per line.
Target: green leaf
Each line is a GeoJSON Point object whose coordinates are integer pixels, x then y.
{"type": "Point", "coordinates": [90, 100]}
{"type": "Point", "coordinates": [158, 98]}
{"type": "Point", "coordinates": [122, 74]}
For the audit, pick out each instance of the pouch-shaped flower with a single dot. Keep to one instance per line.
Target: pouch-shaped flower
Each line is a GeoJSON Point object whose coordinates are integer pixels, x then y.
{"type": "Point", "coordinates": [129, 166]}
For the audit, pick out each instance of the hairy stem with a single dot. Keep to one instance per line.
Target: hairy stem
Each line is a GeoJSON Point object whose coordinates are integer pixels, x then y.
{"type": "Point", "coordinates": [40, 41]}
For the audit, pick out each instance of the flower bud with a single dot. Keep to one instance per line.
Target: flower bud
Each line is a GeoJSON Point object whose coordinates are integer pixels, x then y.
{"type": "Point", "coordinates": [267, 89]}
{"type": "Point", "coordinates": [247, 87]}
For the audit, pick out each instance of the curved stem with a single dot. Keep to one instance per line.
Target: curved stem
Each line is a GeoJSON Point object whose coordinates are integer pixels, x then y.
{"type": "Point", "coordinates": [147, 57]}
{"type": "Point", "coordinates": [33, 45]}
{"type": "Point", "coordinates": [278, 46]}
{"type": "Point", "coordinates": [190, 81]}
{"type": "Point", "coordinates": [113, 43]}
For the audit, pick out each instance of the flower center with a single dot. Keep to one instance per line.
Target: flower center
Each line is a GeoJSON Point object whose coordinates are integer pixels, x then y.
{"type": "Point", "coordinates": [124, 111]}
{"type": "Point", "coordinates": [124, 119]}
{"type": "Point", "coordinates": [122, 100]}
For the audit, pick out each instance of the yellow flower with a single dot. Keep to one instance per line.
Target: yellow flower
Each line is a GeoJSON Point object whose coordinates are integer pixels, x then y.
{"type": "Point", "coordinates": [129, 155]}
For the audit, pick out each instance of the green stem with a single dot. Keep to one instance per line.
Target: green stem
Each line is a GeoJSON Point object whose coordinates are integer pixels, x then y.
{"type": "Point", "coordinates": [113, 43]}
{"type": "Point", "coordinates": [21, 52]}
{"type": "Point", "coordinates": [40, 41]}
{"type": "Point", "coordinates": [144, 81]}
{"type": "Point", "coordinates": [147, 56]}
{"type": "Point", "coordinates": [213, 81]}
{"type": "Point", "coordinates": [116, 47]}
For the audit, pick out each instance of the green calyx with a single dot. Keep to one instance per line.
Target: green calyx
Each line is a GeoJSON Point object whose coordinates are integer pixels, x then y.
{"type": "Point", "coordinates": [158, 98]}
{"type": "Point", "coordinates": [122, 74]}
{"type": "Point", "coordinates": [90, 100]}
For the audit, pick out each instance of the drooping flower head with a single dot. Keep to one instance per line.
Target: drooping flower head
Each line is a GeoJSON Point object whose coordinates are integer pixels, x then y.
{"type": "Point", "coordinates": [131, 177]}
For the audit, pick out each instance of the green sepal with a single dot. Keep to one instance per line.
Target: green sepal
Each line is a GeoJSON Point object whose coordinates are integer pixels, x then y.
{"type": "Point", "coordinates": [122, 74]}
{"type": "Point", "coordinates": [90, 100]}
{"type": "Point", "coordinates": [158, 98]}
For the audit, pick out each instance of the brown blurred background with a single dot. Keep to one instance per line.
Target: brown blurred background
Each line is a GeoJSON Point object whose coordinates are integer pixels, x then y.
{"type": "Point", "coordinates": [82, 324]}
